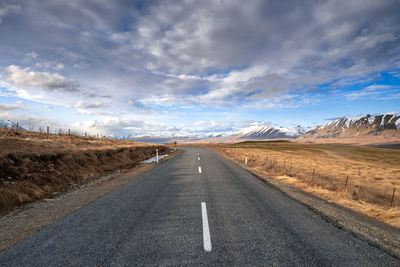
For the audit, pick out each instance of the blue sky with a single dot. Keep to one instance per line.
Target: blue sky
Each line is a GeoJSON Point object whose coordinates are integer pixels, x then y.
{"type": "Point", "coordinates": [196, 67]}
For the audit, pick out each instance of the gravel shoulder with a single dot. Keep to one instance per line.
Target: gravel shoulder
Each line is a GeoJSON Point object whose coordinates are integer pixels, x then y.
{"type": "Point", "coordinates": [25, 221]}
{"type": "Point", "coordinates": [373, 231]}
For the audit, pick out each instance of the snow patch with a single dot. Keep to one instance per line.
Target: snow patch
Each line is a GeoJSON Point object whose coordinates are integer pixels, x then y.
{"type": "Point", "coordinates": [371, 120]}
{"type": "Point", "coordinates": [153, 159]}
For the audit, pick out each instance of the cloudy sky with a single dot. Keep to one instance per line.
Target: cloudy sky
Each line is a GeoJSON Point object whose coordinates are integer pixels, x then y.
{"type": "Point", "coordinates": [196, 67]}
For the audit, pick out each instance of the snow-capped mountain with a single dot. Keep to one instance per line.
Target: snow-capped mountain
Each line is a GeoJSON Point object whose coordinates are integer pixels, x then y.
{"type": "Point", "coordinates": [368, 125]}
{"type": "Point", "coordinates": [9, 124]}
{"type": "Point", "coordinates": [267, 132]}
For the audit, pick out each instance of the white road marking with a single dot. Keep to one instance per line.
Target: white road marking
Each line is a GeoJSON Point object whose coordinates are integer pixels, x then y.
{"type": "Point", "coordinates": [198, 158]}
{"type": "Point", "coordinates": [199, 169]}
{"type": "Point", "coordinates": [206, 228]}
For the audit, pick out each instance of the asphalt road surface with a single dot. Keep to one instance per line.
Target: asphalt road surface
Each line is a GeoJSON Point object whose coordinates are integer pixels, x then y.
{"type": "Point", "coordinates": [195, 209]}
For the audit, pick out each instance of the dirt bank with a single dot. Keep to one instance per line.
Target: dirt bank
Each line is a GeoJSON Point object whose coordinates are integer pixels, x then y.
{"type": "Point", "coordinates": [35, 166]}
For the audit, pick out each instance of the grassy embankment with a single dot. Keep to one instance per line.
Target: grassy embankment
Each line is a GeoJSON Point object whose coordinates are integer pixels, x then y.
{"type": "Point", "coordinates": [35, 165]}
{"type": "Point", "coordinates": [322, 169]}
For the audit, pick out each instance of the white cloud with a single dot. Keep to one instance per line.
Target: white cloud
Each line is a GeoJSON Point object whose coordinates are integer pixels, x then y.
{"type": "Point", "coordinates": [377, 87]}
{"type": "Point", "coordinates": [128, 127]}
{"type": "Point", "coordinates": [78, 104]}
{"type": "Point", "coordinates": [17, 105]}
{"type": "Point", "coordinates": [45, 81]}
{"type": "Point", "coordinates": [6, 9]}
{"type": "Point", "coordinates": [59, 66]}
{"type": "Point", "coordinates": [93, 105]}
{"type": "Point", "coordinates": [376, 92]}
{"type": "Point", "coordinates": [30, 56]}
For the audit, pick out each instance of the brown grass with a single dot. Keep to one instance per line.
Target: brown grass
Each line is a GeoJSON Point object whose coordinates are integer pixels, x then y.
{"type": "Point", "coordinates": [322, 169]}
{"type": "Point", "coordinates": [35, 166]}
{"type": "Point", "coordinates": [360, 140]}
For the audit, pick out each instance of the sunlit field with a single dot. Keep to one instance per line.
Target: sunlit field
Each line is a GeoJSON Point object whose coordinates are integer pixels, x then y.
{"type": "Point", "coordinates": [357, 177]}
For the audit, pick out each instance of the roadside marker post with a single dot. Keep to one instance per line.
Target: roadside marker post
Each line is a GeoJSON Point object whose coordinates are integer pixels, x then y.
{"type": "Point", "coordinates": [245, 159]}
{"type": "Point", "coordinates": [157, 155]}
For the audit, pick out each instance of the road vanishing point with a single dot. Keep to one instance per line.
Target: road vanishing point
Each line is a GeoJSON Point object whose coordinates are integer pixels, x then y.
{"type": "Point", "coordinates": [196, 209]}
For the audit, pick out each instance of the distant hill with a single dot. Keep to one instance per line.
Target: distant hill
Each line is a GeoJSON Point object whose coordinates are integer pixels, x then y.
{"type": "Point", "coordinates": [385, 125]}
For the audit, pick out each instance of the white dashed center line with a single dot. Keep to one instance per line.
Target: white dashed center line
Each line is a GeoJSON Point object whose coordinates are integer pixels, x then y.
{"type": "Point", "coordinates": [199, 169]}
{"type": "Point", "coordinates": [198, 158]}
{"type": "Point", "coordinates": [206, 228]}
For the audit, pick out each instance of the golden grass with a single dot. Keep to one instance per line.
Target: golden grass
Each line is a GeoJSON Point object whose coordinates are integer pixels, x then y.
{"type": "Point", "coordinates": [322, 169]}
{"type": "Point", "coordinates": [27, 141]}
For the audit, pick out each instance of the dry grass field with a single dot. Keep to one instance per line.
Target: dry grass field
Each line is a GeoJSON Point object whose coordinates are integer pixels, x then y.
{"type": "Point", "coordinates": [35, 165]}
{"type": "Point", "coordinates": [322, 169]}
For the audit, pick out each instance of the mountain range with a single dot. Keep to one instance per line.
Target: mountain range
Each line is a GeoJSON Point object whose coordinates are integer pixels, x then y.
{"type": "Point", "coordinates": [365, 126]}
{"type": "Point", "coordinates": [386, 125]}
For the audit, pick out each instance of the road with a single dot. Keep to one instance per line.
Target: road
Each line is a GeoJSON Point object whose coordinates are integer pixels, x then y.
{"type": "Point", "coordinates": [195, 209]}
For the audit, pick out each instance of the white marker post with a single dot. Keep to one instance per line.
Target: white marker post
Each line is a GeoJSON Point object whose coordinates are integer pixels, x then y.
{"type": "Point", "coordinates": [245, 159]}
{"type": "Point", "coordinates": [157, 155]}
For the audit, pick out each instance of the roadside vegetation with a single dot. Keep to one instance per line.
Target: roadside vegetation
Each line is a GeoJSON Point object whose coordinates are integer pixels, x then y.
{"type": "Point", "coordinates": [35, 165]}
{"type": "Point", "coordinates": [361, 178]}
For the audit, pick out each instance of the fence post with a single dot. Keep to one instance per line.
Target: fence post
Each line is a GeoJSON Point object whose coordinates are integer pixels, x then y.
{"type": "Point", "coordinates": [347, 179]}
{"type": "Point", "coordinates": [245, 159]}
{"type": "Point", "coordinates": [69, 131]}
{"type": "Point", "coordinates": [391, 202]}
{"type": "Point", "coordinates": [313, 171]}
{"type": "Point", "coordinates": [17, 127]}
{"type": "Point", "coordinates": [48, 130]}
